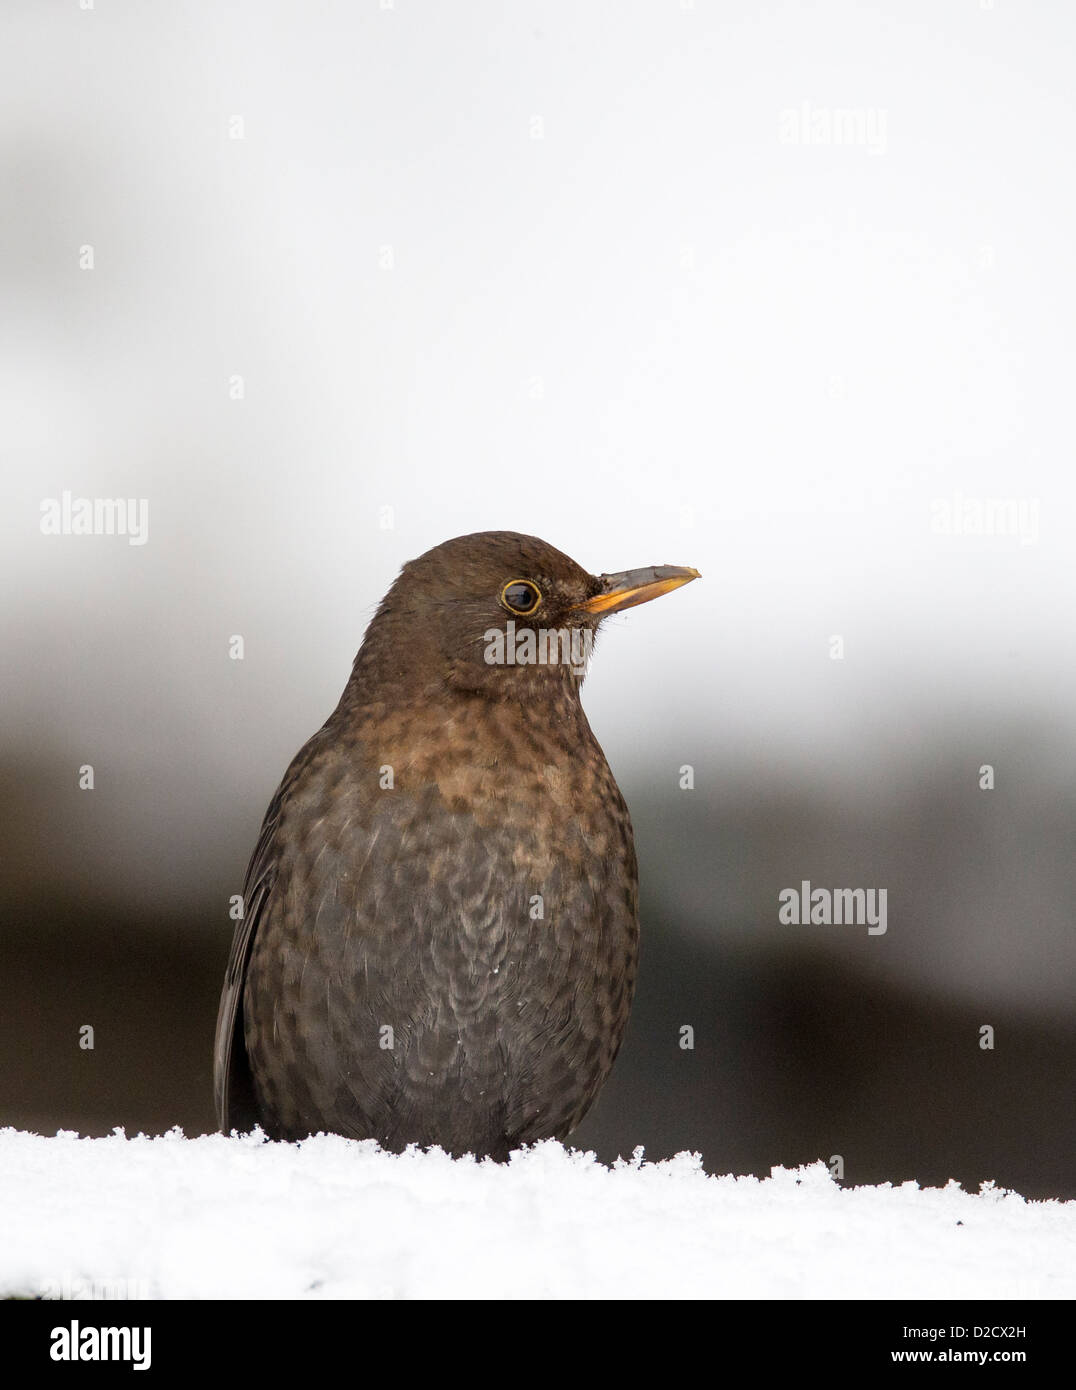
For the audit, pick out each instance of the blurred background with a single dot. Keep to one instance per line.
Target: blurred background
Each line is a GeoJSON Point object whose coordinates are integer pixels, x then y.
{"type": "Point", "coordinates": [783, 294]}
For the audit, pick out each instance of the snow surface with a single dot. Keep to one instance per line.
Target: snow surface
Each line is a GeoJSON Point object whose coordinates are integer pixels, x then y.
{"type": "Point", "coordinates": [217, 1217]}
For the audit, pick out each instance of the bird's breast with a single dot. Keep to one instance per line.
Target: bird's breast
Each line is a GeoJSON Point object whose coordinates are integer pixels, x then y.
{"type": "Point", "coordinates": [540, 784]}
{"type": "Point", "coordinates": [471, 899]}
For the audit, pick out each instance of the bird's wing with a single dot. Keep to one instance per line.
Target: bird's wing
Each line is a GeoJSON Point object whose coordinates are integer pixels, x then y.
{"type": "Point", "coordinates": [232, 1085]}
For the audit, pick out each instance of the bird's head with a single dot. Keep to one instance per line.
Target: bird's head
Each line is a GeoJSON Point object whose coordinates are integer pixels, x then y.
{"type": "Point", "coordinates": [499, 614]}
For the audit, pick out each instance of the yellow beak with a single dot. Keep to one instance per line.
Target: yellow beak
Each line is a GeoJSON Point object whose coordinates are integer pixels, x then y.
{"type": "Point", "coordinates": [630, 587]}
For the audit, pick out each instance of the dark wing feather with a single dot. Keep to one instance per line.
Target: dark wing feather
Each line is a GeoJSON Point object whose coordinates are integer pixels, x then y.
{"type": "Point", "coordinates": [232, 1085]}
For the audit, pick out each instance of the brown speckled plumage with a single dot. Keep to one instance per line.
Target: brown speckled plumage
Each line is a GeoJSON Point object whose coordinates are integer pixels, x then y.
{"type": "Point", "coordinates": [395, 975]}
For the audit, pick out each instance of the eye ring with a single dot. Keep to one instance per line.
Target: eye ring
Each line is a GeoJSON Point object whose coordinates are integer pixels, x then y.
{"type": "Point", "coordinates": [516, 601]}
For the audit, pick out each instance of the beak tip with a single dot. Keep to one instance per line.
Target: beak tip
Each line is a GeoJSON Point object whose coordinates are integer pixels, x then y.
{"type": "Point", "coordinates": [632, 587]}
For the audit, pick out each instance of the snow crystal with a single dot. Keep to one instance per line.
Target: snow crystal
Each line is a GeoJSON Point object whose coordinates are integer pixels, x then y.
{"type": "Point", "coordinates": [240, 1217]}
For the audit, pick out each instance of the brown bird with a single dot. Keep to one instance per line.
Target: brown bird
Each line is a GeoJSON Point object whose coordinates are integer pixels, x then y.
{"type": "Point", "coordinates": [440, 923]}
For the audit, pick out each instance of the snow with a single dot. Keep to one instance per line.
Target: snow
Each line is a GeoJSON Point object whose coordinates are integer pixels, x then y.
{"type": "Point", "coordinates": [239, 1217]}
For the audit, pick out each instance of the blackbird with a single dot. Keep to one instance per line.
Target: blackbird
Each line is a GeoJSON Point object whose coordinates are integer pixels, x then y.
{"type": "Point", "coordinates": [439, 933]}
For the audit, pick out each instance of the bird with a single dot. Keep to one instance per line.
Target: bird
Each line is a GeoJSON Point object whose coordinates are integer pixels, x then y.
{"type": "Point", "coordinates": [439, 933]}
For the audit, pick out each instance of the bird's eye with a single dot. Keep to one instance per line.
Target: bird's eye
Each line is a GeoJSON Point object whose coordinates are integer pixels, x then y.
{"type": "Point", "coordinates": [521, 596]}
